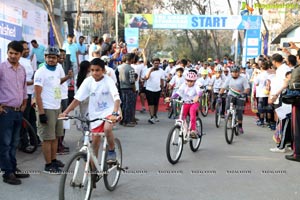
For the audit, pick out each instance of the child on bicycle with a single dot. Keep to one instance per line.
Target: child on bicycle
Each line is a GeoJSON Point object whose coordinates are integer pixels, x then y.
{"type": "Point", "coordinates": [237, 87]}
{"type": "Point", "coordinates": [104, 102]}
{"type": "Point", "coordinates": [216, 83]}
{"type": "Point", "coordinates": [190, 93]}
{"type": "Point", "coordinates": [177, 80]}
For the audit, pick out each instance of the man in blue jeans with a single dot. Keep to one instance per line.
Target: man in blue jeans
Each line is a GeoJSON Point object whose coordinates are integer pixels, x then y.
{"type": "Point", "coordinates": [13, 99]}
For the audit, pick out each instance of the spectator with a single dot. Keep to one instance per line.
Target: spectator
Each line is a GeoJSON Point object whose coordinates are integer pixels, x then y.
{"type": "Point", "coordinates": [154, 87]}
{"type": "Point", "coordinates": [13, 101]}
{"type": "Point", "coordinates": [82, 49]}
{"type": "Point", "coordinates": [38, 51]}
{"type": "Point", "coordinates": [106, 47]}
{"type": "Point", "coordinates": [25, 62]}
{"type": "Point", "coordinates": [127, 88]}
{"type": "Point", "coordinates": [47, 85]}
{"type": "Point", "coordinates": [71, 54]}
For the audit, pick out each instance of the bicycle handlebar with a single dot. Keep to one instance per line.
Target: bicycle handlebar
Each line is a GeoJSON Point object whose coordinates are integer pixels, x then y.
{"type": "Point", "coordinates": [84, 120]}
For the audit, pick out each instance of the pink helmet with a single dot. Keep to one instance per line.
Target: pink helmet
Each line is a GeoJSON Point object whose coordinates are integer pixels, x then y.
{"type": "Point", "coordinates": [192, 76]}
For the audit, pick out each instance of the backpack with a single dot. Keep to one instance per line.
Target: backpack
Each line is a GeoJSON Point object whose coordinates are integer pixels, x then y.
{"type": "Point", "coordinates": [294, 83]}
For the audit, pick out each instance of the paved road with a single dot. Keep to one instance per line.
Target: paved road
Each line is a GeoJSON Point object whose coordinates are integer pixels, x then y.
{"type": "Point", "coordinates": [244, 170]}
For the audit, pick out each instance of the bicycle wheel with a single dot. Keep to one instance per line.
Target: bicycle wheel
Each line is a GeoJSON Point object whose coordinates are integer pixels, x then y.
{"type": "Point", "coordinates": [228, 134]}
{"type": "Point", "coordinates": [112, 172]}
{"type": "Point", "coordinates": [204, 105]}
{"type": "Point", "coordinates": [174, 145]}
{"type": "Point", "coordinates": [76, 180]}
{"type": "Point", "coordinates": [28, 138]}
{"type": "Point", "coordinates": [195, 143]}
{"type": "Point", "coordinates": [218, 115]}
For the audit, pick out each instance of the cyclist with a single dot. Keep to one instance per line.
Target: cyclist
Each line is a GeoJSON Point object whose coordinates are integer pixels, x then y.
{"type": "Point", "coordinates": [204, 80]}
{"type": "Point", "coordinates": [237, 87]}
{"type": "Point", "coordinates": [177, 80]}
{"type": "Point", "coordinates": [216, 83]}
{"type": "Point", "coordinates": [190, 92]}
{"type": "Point", "coordinates": [104, 101]}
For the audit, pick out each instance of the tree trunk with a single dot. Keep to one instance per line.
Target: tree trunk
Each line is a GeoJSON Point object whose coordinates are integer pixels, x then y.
{"type": "Point", "coordinates": [55, 26]}
{"type": "Point", "coordinates": [78, 14]}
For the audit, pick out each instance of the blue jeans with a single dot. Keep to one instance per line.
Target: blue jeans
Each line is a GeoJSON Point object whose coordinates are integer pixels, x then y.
{"type": "Point", "coordinates": [10, 124]}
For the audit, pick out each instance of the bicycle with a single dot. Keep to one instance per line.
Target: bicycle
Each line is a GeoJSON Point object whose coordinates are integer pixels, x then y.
{"type": "Point", "coordinates": [174, 107]}
{"type": "Point", "coordinates": [231, 121]}
{"type": "Point", "coordinates": [204, 103]}
{"type": "Point", "coordinates": [28, 138]}
{"type": "Point", "coordinates": [180, 135]}
{"type": "Point", "coordinates": [74, 185]}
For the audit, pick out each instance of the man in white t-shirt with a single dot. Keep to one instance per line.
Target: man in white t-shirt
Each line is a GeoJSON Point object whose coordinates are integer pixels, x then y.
{"type": "Point", "coordinates": [281, 70]}
{"type": "Point", "coordinates": [155, 84]}
{"type": "Point", "coordinates": [47, 85]}
{"type": "Point", "coordinates": [104, 102]}
{"type": "Point", "coordinates": [26, 63]}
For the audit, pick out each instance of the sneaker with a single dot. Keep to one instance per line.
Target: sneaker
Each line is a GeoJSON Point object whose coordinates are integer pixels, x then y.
{"type": "Point", "coordinates": [29, 148]}
{"type": "Point", "coordinates": [193, 135]}
{"type": "Point", "coordinates": [156, 119]}
{"type": "Point", "coordinates": [241, 130]}
{"type": "Point", "coordinates": [143, 110]}
{"type": "Point", "coordinates": [277, 150]}
{"type": "Point", "coordinates": [260, 123]}
{"type": "Point", "coordinates": [111, 157]}
{"type": "Point", "coordinates": [151, 121]}
{"type": "Point", "coordinates": [58, 163]}
{"type": "Point", "coordinates": [52, 169]}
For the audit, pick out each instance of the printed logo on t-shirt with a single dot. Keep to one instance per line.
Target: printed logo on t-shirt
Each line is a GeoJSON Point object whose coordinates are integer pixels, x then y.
{"type": "Point", "coordinates": [38, 80]}
{"type": "Point", "coordinates": [105, 92]}
{"type": "Point", "coordinates": [102, 105]}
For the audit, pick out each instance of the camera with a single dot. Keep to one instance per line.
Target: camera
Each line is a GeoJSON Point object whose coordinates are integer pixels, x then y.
{"type": "Point", "coordinates": [286, 44]}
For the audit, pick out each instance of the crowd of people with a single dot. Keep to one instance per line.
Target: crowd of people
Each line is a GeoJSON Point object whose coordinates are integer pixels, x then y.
{"type": "Point", "coordinates": [104, 80]}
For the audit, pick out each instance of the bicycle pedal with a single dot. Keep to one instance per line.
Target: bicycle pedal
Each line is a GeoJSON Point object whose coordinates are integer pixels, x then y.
{"type": "Point", "coordinates": [123, 169]}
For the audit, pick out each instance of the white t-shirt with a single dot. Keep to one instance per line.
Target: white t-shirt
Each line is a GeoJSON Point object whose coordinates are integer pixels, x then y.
{"type": "Point", "coordinates": [29, 73]}
{"type": "Point", "coordinates": [111, 73]}
{"type": "Point", "coordinates": [188, 93]}
{"type": "Point", "coordinates": [102, 95]}
{"type": "Point", "coordinates": [50, 82]}
{"type": "Point", "coordinates": [217, 83]}
{"type": "Point", "coordinates": [202, 82]}
{"type": "Point", "coordinates": [260, 82]}
{"type": "Point", "coordinates": [176, 82]}
{"type": "Point", "coordinates": [169, 70]}
{"type": "Point", "coordinates": [279, 78]}
{"type": "Point", "coordinates": [138, 70]}
{"type": "Point", "coordinates": [153, 83]}
{"type": "Point", "coordinates": [64, 87]}
{"type": "Point", "coordinates": [202, 69]}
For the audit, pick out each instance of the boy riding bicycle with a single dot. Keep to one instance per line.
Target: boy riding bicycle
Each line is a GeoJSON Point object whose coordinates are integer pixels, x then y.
{"type": "Point", "coordinates": [104, 102]}
{"type": "Point", "coordinates": [237, 87]}
{"type": "Point", "coordinates": [190, 92]}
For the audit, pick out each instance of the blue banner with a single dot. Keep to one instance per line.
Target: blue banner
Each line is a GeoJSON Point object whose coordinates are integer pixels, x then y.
{"type": "Point", "coordinates": [132, 38]}
{"type": "Point", "coordinates": [221, 22]}
{"type": "Point", "coordinates": [252, 45]}
{"type": "Point", "coordinates": [10, 31]}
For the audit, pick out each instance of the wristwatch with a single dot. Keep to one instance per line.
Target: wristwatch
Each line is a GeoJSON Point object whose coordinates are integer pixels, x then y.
{"type": "Point", "coordinates": [115, 114]}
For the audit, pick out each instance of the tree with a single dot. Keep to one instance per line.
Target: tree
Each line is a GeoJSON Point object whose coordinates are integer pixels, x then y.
{"type": "Point", "coordinates": [49, 5]}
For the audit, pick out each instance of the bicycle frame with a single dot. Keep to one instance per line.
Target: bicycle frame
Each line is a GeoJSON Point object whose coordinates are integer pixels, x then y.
{"type": "Point", "coordinates": [90, 153]}
{"type": "Point", "coordinates": [184, 128]}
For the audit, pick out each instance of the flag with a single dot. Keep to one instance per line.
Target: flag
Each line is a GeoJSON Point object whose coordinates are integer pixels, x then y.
{"type": "Point", "coordinates": [120, 7]}
{"type": "Point", "coordinates": [51, 36]}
